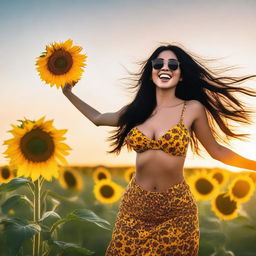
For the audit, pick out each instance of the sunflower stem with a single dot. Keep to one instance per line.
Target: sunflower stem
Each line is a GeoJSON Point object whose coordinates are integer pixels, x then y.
{"type": "Point", "coordinates": [57, 223]}
{"type": "Point", "coordinates": [31, 189]}
{"type": "Point", "coordinates": [43, 200]}
{"type": "Point", "coordinates": [37, 216]}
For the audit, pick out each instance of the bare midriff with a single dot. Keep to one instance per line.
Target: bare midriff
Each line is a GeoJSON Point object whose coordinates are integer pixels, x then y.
{"type": "Point", "coordinates": [156, 170]}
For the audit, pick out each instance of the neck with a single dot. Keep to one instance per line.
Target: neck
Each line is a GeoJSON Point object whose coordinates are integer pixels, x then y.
{"type": "Point", "coordinates": [166, 98]}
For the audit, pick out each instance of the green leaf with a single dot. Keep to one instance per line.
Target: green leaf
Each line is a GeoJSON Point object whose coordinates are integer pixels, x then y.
{"type": "Point", "coordinates": [17, 231]}
{"type": "Point", "coordinates": [43, 54]}
{"type": "Point", "coordinates": [49, 218]}
{"type": "Point", "coordinates": [68, 249]}
{"type": "Point", "coordinates": [214, 237]}
{"type": "Point", "coordinates": [88, 215]}
{"type": "Point", "coordinates": [14, 202]}
{"type": "Point", "coordinates": [13, 184]}
{"type": "Point", "coordinates": [211, 223]}
{"type": "Point", "coordinates": [58, 197]}
{"type": "Point", "coordinates": [83, 215]}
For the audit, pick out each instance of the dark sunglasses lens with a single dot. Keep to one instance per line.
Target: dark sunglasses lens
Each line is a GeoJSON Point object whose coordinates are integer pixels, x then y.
{"type": "Point", "coordinates": [173, 64]}
{"type": "Point", "coordinates": [157, 63]}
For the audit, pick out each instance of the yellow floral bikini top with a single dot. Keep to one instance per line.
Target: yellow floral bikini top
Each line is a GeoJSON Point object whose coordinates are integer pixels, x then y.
{"type": "Point", "coordinates": [174, 142]}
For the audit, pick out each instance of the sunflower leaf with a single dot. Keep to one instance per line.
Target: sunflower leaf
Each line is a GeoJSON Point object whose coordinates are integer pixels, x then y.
{"type": "Point", "coordinates": [213, 236]}
{"type": "Point", "coordinates": [82, 215]}
{"type": "Point", "coordinates": [13, 184]}
{"type": "Point", "coordinates": [14, 202]}
{"type": "Point", "coordinates": [17, 231]}
{"type": "Point", "coordinates": [43, 54]}
{"type": "Point", "coordinates": [58, 197]}
{"type": "Point", "coordinates": [88, 215]}
{"type": "Point", "coordinates": [67, 249]}
{"type": "Point", "coordinates": [49, 218]}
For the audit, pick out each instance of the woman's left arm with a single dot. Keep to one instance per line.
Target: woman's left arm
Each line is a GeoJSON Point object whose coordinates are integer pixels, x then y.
{"type": "Point", "coordinates": [221, 153]}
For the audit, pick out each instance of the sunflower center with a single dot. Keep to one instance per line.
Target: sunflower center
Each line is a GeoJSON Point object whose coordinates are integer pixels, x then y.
{"type": "Point", "coordinates": [5, 173]}
{"type": "Point", "coordinates": [241, 188]}
{"type": "Point", "coordinates": [70, 179]}
{"type": "Point", "coordinates": [225, 205]}
{"type": "Point", "coordinates": [37, 145]}
{"type": "Point", "coordinates": [102, 176]}
{"type": "Point", "coordinates": [107, 191]}
{"type": "Point", "coordinates": [60, 62]}
{"type": "Point", "coordinates": [204, 186]}
{"type": "Point", "coordinates": [219, 177]}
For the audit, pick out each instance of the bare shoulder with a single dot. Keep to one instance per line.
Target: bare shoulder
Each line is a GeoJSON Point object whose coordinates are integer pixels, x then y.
{"type": "Point", "coordinates": [195, 104]}
{"type": "Point", "coordinates": [196, 107]}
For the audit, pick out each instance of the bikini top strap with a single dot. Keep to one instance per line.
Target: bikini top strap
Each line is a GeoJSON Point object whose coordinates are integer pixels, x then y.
{"type": "Point", "coordinates": [183, 109]}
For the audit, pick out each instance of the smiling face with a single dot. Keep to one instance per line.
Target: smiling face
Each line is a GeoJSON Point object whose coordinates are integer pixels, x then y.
{"type": "Point", "coordinates": [165, 77]}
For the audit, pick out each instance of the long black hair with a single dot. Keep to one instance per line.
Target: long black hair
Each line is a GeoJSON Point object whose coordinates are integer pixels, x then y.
{"type": "Point", "coordinates": [199, 83]}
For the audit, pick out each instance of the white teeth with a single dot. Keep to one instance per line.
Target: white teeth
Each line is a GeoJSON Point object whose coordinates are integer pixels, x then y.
{"type": "Point", "coordinates": [166, 76]}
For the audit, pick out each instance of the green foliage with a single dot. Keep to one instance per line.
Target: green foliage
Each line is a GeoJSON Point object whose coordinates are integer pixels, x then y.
{"type": "Point", "coordinates": [14, 184]}
{"type": "Point", "coordinates": [59, 248]}
{"type": "Point", "coordinates": [49, 218]}
{"type": "Point", "coordinates": [14, 202]}
{"type": "Point", "coordinates": [17, 231]}
{"type": "Point", "coordinates": [88, 215]}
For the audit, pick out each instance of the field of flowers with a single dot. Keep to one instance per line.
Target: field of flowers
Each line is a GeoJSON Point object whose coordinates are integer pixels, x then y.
{"type": "Point", "coordinates": [48, 208]}
{"type": "Point", "coordinates": [78, 211]}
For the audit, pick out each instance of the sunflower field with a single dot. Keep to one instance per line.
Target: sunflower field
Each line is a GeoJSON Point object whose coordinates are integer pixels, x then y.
{"type": "Point", "coordinates": [78, 210]}
{"type": "Point", "coordinates": [49, 208]}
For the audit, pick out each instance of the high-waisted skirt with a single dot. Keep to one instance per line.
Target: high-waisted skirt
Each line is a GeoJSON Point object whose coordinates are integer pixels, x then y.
{"type": "Point", "coordinates": [156, 223]}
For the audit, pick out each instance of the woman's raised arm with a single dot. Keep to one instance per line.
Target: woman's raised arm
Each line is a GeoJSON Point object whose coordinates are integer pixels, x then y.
{"type": "Point", "coordinates": [217, 151]}
{"type": "Point", "coordinates": [110, 118]}
{"type": "Point", "coordinates": [99, 119]}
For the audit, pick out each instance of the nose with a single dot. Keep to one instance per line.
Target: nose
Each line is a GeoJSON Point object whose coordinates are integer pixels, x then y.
{"type": "Point", "coordinates": [165, 66]}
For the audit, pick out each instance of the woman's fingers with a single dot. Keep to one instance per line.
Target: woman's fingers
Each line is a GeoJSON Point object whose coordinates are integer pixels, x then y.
{"type": "Point", "coordinates": [67, 88]}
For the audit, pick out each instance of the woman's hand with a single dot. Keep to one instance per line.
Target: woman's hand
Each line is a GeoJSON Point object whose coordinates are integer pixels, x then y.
{"type": "Point", "coordinates": [68, 88]}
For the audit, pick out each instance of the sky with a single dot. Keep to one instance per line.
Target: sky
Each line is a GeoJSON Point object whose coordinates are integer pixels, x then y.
{"type": "Point", "coordinates": [115, 35]}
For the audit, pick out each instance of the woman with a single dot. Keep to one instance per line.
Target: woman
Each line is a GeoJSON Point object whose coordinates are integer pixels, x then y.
{"type": "Point", "coordinates": [176, 95]}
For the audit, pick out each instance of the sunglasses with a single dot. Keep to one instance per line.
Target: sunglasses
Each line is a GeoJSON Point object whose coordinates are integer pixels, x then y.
{"type": "Point", "coordinates": [173, 64]}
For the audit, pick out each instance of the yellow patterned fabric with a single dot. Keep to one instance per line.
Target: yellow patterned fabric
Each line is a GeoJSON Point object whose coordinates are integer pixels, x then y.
{"type": "Point", "coordinates": [174, 142]}
{"type": "Point", "coordinates": [152, 223]}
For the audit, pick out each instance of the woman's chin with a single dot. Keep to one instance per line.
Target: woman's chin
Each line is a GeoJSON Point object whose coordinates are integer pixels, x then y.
{"type": "Point", "coordinates": [166, 85]}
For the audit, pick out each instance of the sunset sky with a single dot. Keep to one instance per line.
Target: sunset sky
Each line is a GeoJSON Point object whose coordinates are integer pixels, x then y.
{"type": "Point", "coordinates": [115, 35]}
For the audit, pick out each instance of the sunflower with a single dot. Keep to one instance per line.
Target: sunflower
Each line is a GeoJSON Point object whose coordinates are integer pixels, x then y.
{"type": "Point", "coordinates": [221, 175]}
{"type": "Point", "coordinates": [129, 173]}
{"type": "Point", "coordinates": [36, 148]}
{"type": "Point", "coordinates": [202, 185]}
{"type": "Point", "coordinates": [224, 207]}
{"type": "Point", "coordinates": [61, 63]}
{"type": "Point", "coordinates": [107, 191]}
{"type": "Point", "coordinates": [241, 188]}
{"type": "Point", "coordinates": [189, 171]}
{"type": "Point", "coordinates": [6, 174]}
{"type": "Point", "coordinates": [252, 176]}
{"type": "Point", "coordinates": [71, 179]}
{"type": "Point", "coordinates": [101, 173]}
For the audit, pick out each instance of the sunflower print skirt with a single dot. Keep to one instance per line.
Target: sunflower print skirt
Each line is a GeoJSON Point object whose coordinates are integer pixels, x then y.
{"type": "Point", "coordinates": [156, 223]}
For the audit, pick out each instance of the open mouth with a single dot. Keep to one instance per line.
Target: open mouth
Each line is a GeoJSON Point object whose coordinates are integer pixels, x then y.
{"type": "Point", "coordinates": [165, 76]}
